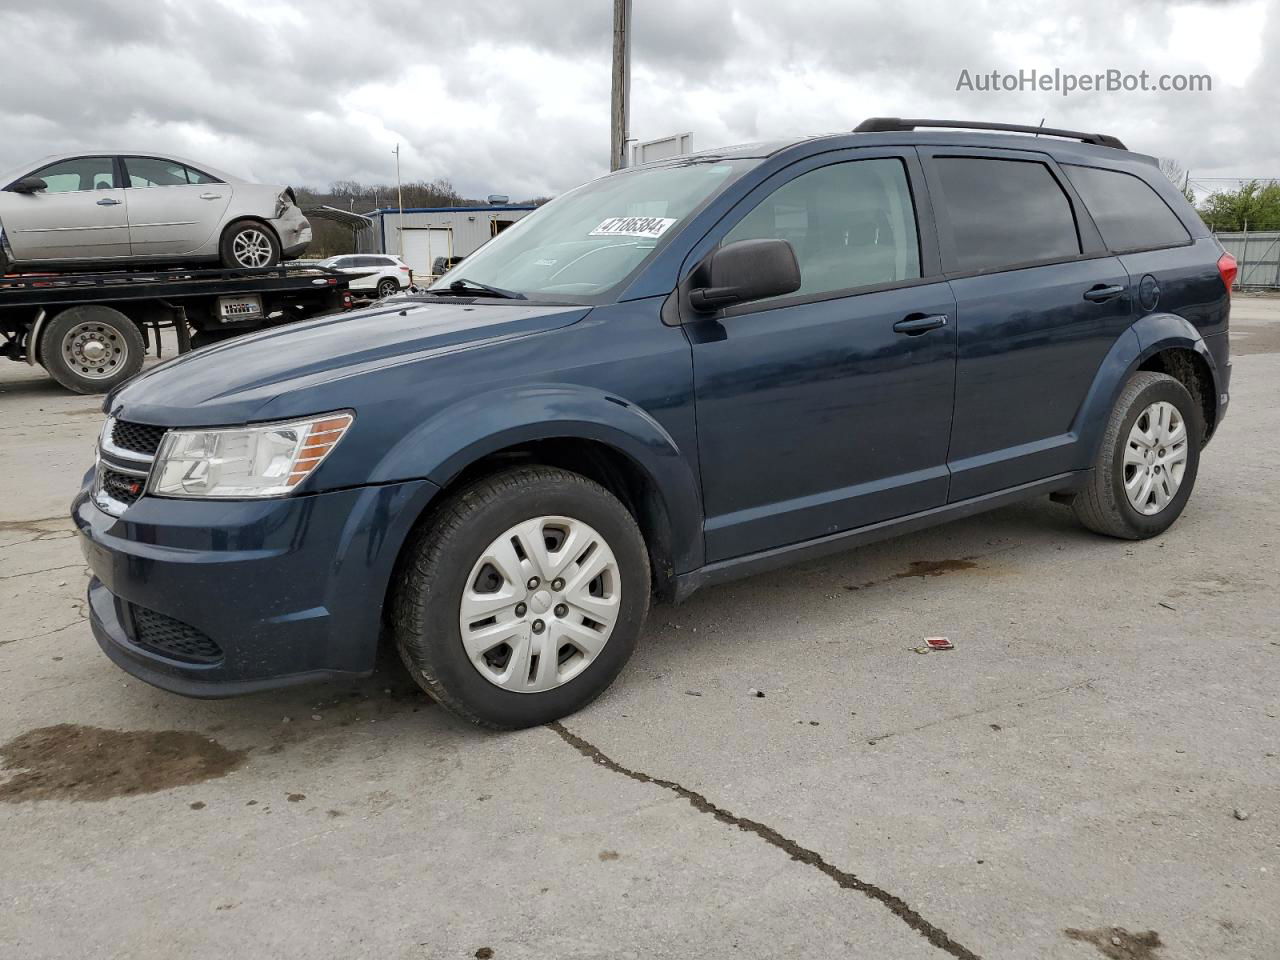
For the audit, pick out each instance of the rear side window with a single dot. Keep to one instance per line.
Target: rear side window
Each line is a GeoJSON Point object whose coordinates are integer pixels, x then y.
{"type": "Point", "coordinates": [851, 224]}
{"type": "Point", "coordinates": [155, 172]}
{"type": "Point", "coordinates": [1005, 212]}
{"type": "Point", "coordinates": [1129, 214]}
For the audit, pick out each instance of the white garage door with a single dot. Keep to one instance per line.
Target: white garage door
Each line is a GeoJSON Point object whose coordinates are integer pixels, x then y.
{"type": "Point", "coordinates": [422, 246]}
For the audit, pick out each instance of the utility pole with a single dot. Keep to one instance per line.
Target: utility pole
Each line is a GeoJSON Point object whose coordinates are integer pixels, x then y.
{"type": "Point", "coordinates": [399, 199]}
{"type": "Point", "coordinates": [620, 114]}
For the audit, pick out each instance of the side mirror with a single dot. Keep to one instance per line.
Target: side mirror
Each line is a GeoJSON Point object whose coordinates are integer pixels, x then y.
{"type": "Point", "coordinates": [29, 185]}
{"type": "Point", "coordinates": [743, 271]}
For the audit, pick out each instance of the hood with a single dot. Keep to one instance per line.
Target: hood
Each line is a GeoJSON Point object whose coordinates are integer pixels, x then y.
{"type": "Point", "coordinates": [237, 381]}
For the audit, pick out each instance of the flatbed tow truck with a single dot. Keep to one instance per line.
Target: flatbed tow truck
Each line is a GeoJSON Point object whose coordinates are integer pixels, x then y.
{"type": "Point", "coordinates": [90, 331]}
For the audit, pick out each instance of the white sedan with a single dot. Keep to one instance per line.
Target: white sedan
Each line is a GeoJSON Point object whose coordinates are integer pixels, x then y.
{"type": "Point", "coordinates": [110, 209]}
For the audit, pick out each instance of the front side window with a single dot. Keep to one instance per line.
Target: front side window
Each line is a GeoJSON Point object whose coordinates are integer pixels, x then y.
{"type": "Point", "coordinates": [155, 172]}
{"type": "Point", "coordinates": [1128, 213]}
{"type": "Point", "coordinates": [1005, 212]}
{"type": "Point", "coordinates": [583, 244]}
{"type": "Point", "coordinates": [81, 173]}
{"type": "Point", "coordinates": [851, 225]}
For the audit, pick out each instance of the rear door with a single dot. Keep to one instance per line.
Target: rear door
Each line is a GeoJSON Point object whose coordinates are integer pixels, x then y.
{"type": "Point", "coordinates": [174, 209]}
{"type": "Point", "coordinates": [1040, 302]}
{"type": "Point", "coordinates": [830, 408]}
{"type": "Point", "coordinates": [81, 216]}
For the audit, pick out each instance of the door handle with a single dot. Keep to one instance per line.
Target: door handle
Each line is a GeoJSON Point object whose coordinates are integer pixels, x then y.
{"type": "Point", "coordinates": [210, 196]}
{"type": "Point", "coordinates": [917, 323]}
{"type": "Point", "coordinates": [108, 202]}
{"type": "Point", "coordinates": [1103, 292]}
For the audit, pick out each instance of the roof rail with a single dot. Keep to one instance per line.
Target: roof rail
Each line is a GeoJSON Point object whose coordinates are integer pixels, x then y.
{"type": "Point", "coordinates": [899, 125]}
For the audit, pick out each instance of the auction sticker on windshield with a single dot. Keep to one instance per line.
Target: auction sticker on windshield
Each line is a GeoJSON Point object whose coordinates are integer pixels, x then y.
{"type": "Point", "coordinates": [650, 227]}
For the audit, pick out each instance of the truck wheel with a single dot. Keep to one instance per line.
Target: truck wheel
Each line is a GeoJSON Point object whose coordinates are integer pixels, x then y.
{"type": "Point", "coordinates": [90, 349]}
{"type": "Point", "coordinates": [248, 243]}
{"type": "Point", "coordinates": [522, 598]}
{"type": "Point", "coordinates": [1147, 464]}
{"type": "Point", "coordinates": [387, 288]}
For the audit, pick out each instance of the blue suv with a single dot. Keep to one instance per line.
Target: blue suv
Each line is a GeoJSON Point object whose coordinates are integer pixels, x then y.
{"type": "Point", "coordinates": [680, 373]}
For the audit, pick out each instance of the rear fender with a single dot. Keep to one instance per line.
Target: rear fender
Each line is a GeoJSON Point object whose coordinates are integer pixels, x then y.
{"type": "Point", "coordinates": [1147, 337]}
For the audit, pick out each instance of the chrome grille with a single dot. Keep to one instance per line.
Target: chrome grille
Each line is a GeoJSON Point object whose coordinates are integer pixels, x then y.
{"type": "Point", "coordinates": [125, 454]}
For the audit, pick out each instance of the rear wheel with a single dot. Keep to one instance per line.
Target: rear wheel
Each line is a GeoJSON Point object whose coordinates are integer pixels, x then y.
{"type": "Point", "coordinates": [1147, 464]}
{"type": "Point", "coordinates": [523, 598]}
{"type": "Point", "coordinates": [387, 288]}
{"type": "Point", "coordinates": [248, 243]}
{"type": "Point", "coordinates": [90, 349]}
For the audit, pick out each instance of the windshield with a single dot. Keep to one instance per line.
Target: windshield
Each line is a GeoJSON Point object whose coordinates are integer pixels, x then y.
{"type": "Point", "coordinates": [584, 243]}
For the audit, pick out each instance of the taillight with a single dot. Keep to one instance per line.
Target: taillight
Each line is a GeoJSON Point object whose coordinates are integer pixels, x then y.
{"type": "Point", "coordinates": [1227, 269]}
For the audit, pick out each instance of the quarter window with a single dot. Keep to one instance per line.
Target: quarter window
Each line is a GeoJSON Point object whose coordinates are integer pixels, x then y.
{"type": "Point", "coordinates": [851, 225]}
{"type": "Point", "coordinates": [155, 172]}
{"type": "Point", "coordinates": [81, 173]}
{"type": "Point", "coordinates": [1129, 214]}
{"type": "Point", "coordinates": [1005, 212]}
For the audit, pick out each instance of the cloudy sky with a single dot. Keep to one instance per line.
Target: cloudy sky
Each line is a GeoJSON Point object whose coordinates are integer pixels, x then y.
{"type": "Point", "coordinates": [512, 96]}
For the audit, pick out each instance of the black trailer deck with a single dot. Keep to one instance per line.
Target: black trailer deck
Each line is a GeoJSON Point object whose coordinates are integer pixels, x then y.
{"type": "Point", "coordinates": [90, 330]}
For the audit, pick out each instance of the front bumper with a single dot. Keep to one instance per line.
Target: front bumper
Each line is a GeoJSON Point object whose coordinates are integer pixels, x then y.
{"type": "Point", "coordinates": [285, 591]}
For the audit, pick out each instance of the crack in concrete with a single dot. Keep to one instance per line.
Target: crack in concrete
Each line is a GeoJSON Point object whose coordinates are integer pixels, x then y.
{"type": "Point", "coordinates": [32, 573]}
{"type": "Point", "coordinates": [1021, 701]}
{"type": "Point", "coordinates": [812, 858]}
{"type": "Point", "coordinates": [47, 633]}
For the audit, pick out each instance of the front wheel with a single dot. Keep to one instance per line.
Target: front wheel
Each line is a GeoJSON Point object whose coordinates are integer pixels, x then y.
{"type": "Point", "coordinates": [1147, 463]}
{"type": "Point", "coordinates": [248, 243]}
{"type": "Point", "coordinates": [90, 349]}
{"type": "Point", "coordinates": [522, 598]}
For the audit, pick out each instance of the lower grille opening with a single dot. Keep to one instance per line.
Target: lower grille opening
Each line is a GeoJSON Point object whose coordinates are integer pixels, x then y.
{"type": "Point", "coordinates": [172, 638]}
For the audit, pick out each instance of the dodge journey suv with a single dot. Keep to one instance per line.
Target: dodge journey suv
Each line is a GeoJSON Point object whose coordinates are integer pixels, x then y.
{"type": "Point", "coordinates": [688, 371]}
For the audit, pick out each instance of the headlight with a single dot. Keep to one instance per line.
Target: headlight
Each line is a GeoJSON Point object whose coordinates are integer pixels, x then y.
{"type": "Point", "coordinates": [265, 460]}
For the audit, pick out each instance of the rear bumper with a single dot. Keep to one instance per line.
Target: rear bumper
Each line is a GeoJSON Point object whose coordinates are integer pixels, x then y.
{"type": "Point", "coordinates": [1219, 347]}
{"type": "Point", "coordinates": [282, 591]}
{"type": "Point", "coordinates": [294, 231]}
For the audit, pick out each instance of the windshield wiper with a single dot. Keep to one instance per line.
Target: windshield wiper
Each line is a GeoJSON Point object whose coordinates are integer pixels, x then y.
{"type": "Point", "coordinates": [463, 285]}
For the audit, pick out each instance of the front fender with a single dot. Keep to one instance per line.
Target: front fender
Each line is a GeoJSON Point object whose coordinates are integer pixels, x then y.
{"type": "Point", "coordinates": [458, 435]}
{"type": "Point", "coordinates": [1145, 338]}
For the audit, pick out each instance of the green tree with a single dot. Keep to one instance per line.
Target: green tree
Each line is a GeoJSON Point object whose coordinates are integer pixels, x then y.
{"type": "Point", "coordinates": [1253, 204]}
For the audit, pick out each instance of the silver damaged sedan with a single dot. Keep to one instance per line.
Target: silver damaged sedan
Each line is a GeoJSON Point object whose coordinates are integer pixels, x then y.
{"type": "Point", "coordinates": [100, 210]}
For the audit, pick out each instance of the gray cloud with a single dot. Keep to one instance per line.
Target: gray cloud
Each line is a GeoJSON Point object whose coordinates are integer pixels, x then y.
{"type": "Point", "coordinates": [513, 97]}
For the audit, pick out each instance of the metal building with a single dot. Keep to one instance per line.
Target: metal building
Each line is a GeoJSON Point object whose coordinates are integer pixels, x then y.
{"type": "Point", "coordinates": [434, 235]}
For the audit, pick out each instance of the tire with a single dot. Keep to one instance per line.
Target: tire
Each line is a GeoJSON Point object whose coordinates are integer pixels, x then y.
{"type": "Point", "coordinates": [1104, 505]}
{"type": "Point", "coordinates": [440, 560]}
{"type": "Point", "coordinates": [72, 341]}
{"type": "Point", "coordinates": [387, 288]}
{"type": "Point", "coordinates": [248, 243]}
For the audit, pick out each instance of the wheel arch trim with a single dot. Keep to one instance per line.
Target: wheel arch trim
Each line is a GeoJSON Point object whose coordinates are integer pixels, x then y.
{"type": "Point", "coordinates": [439, 450]}
{"type": "Point", "coordinates": [1152, 334]}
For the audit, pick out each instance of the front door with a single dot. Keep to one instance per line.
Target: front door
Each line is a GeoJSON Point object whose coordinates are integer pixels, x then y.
{"type": "Point", "coordinates": [173, 209]}
{"type": "Point", "coordinates": [830, 408]}
{"type": "Point", "coordinates": [81, 215]}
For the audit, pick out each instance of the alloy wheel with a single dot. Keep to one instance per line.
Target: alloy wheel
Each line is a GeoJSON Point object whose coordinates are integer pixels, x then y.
{"type": "Point", "coordinates": [251, 248]}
